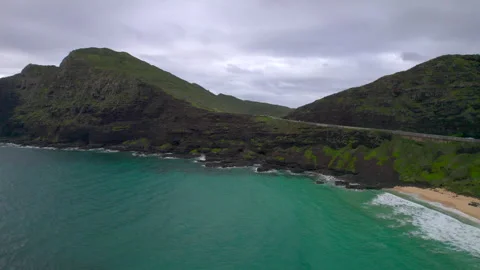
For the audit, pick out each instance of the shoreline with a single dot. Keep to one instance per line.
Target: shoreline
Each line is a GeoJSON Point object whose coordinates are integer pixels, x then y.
{"type": "Point", "coordinates": [198, 158]}
{"type": "Point", "coordinates": [317, 177]}
{"type": "Point", "coordinates": [207, 161]}
{"type": "Point", "coordinates": [446, 198]}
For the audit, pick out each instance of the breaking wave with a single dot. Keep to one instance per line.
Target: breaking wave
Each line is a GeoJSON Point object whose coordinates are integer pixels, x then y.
{"type": "Point", "coordinates": [26, 146]}
{"type": "Point", "coordinates": [431, 224]}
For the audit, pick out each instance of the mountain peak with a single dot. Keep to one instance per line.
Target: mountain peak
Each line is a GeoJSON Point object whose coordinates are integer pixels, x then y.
{"type": "Point", "coordinates": [128, 65]}
{"type": "Point", "coordinates": [98, 57]}
{"type": "Point", "coordinates": [99, 52]}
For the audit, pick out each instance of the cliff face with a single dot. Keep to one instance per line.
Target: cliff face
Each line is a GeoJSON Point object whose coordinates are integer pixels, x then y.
{"type": "Point", "coordinates": [441, 96]}
{"type": "Point", "coordinates": [81, 104]}
{"type": "Point", "coordinates": [8, 102]}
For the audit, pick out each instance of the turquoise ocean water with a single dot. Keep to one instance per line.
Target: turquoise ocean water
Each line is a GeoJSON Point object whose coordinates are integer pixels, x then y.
{"type": "Point", "coordinates": [91, 210]}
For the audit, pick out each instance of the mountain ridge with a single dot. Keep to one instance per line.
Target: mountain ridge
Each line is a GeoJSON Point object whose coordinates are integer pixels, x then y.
{"type": "Point", "coordinates": [107, 59]}
{"type": "Point", "coordinates": [440, 96]}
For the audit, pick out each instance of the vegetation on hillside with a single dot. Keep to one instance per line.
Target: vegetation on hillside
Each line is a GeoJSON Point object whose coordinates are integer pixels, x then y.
{"type": "Point", "coordinates": [124, 63]}
{"type": "Point", "coordinates": [440, 96]}
{"type": "Point", "coordinates": [453, 165]}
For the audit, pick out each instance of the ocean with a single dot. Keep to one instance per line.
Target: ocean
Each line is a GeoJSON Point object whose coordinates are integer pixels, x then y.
{"type": "Point", "coordinates": [103, 210]}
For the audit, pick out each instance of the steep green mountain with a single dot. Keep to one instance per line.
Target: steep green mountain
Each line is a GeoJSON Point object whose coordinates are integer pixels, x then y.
{"type": "Point", "coordinates": [440, 96]}
{"type": "Point", "coordinates": [235, 105]}
{"type": "Point", "coordinates": [79, 104]}
{"type": "Point", "coordinates": [122, 62]}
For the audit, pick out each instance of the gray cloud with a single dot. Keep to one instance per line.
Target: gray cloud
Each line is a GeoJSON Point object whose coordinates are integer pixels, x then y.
{"type": "Point", "coordinates": [237, 70]}
{"type": "Point", "coordinates": [286, 52]}
{"type": "Point", "coordinates": [374, 26]}
{"type": "Point", "coordinates": [412, 56]}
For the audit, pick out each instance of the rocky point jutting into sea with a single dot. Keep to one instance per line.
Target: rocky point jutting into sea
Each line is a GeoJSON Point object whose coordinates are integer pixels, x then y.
{"type": "Point", "coordinates": [103, 98]}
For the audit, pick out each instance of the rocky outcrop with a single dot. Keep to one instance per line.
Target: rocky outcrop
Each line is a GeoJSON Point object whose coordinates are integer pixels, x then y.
{"type": "Point", "coordinates": [474, 204]}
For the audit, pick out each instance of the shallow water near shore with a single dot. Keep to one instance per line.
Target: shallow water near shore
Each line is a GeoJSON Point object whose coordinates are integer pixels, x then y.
{"type": "Point", "coordinates": [93, 210]}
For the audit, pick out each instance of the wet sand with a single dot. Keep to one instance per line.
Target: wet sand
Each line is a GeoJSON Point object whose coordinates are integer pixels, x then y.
{"type": "Point", "coordinates": [446, 198]}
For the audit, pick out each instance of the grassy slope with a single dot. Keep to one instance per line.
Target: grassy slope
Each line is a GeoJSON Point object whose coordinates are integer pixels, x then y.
{"type": "Point", "coordinates": [454, 166]}
{"type": "Point", "coordinates": [440, 96]}
{"type": "Point", "coordinates": [107, 59]}
{"type": "Point", "coordinates": [235, 105]}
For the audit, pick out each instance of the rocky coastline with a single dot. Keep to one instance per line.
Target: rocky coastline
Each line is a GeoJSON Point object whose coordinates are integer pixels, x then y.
{"type": "Point", "coordinates": [347, 181]}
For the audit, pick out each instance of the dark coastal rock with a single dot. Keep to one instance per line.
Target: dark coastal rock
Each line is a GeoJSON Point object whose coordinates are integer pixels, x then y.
{"type": "Point", "coordinates": [354, 186]}
{"type": "Point", "coordinates": [212, 165]}
{"type": "Point", "coordinates": [348, 177]}
{"type": "Point", "coordinates": [227, 163]}
{"type": "Point", "coordinates": [211, 158]}
{"type": "Point", "coordinates": [262, 169]}
{"type": "Point", "coordinates": [373, 187]}
{"type": "Point", "coordinates": [340, 183]}
{"type": "Point", "coordinates": [319, 182]}
{"type": "Point", "coordinates": [179, 156]}
{"type": "Point", "coordinates": [95, 145]}
{"type": "Point", "coordinates": [474, 204]}
{"type": "Point", "coordinates": [265, 168]}
{"type": "Point", "coordinates": [337, 173]}
{"type": "Point", "coordinates": [297, 170]}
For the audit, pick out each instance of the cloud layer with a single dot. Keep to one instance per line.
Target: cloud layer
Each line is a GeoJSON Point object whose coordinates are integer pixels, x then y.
{"type": "Point", "coordinates": [289, 52]}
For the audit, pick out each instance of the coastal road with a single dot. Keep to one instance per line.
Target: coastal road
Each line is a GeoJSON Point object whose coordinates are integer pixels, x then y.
{"type": "Point", "coordinates": [396, 132]}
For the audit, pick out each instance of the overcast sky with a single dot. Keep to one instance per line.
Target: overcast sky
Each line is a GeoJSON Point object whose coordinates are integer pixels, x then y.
{"type": "Point", "coordinates": [289, 52]}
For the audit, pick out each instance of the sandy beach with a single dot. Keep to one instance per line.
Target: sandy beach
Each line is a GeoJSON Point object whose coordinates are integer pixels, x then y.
{"type": "Point", "coordinates": [446, 198]}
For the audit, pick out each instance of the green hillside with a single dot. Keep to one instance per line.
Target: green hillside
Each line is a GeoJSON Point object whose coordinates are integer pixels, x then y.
{"type": "Point", "coordinates": [235, 105]}
{"type": "Point", "coordinates": [107, 59]}
{"type": "Point", "coordinates": [440, 96]}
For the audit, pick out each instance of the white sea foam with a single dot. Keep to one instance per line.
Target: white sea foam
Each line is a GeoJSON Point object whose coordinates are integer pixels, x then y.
{"type": "Point", "coordinates": [27, 146]}
{"type": "Point", "coordinates": [431, 224]}
{"type": "Point", "coordinates": [47, 148]}
{"type": "Point", "coordinates": [74, 149]}
{"type": "Point", "coordinates": [232, 167]}
{"type": "Point", "coordinates": [11, 145]}
{"type": "Point", "coordinates": [103, 150]}
{"type": "Point", "coordinates": [137, 154]}
{"type": "Point", "coordinates": [328, 178]}
{"type": "Point", "coordinates": [200, 158]}
{"type": "Point", "coordinates": [100, 150]}
{"type": "Point", "coordinates": [269, 171]}
{"type": "Point", "coordinates": [295, 174]}
{"type": "Point", "coordinates": [109, 151]}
